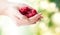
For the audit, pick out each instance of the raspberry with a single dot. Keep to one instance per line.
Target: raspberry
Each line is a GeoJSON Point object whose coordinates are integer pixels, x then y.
{"type": "Point", "coordinates": [28, 12]}
{"type": "Point", "coordinates": [34, 12]}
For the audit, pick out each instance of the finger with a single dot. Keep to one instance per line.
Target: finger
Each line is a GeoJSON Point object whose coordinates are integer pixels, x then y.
{"type": "Point", "coordinates": [21, 21]}
{"type": "Point", "coordinates": [35, 18]}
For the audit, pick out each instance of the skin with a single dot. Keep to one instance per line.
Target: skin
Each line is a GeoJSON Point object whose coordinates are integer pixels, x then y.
{"type": "Point", "coordinates": [11, 10]}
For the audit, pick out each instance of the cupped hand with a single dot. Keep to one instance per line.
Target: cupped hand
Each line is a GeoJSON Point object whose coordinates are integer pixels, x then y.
{"type": "Point", "coordinates": [11, 10]}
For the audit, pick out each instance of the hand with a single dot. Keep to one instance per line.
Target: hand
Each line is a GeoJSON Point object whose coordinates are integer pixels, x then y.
{"type": "Point", "coordinates": [12, 11]}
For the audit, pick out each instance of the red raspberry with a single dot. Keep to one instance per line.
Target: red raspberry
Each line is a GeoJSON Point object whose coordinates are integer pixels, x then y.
{"type": "Point", "coordinates": [28, 15]}
{"type": "Point", "coordinates": [34, 11]}
{"type": "Point", "coordinates": [24, 9]}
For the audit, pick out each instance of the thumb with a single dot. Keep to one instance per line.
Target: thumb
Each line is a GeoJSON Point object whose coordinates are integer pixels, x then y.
{"type": "Point", "coordinates": [35, 18]}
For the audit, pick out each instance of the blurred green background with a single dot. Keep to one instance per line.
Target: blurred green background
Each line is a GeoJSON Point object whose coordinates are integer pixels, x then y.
{"type": "Point", "coordinates": [49, 24]}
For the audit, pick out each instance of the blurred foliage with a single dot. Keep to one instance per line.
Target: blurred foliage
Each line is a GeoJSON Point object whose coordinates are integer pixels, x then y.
{"type": "Point", "coordinates": [50, 24]}
{"type": "Point", "coordinates": [57, 3]}
{"type": "Point", "coordinates": [47, 24]}
{"type": "Point", "coordinates": [47, 16]}
{"type": "Point", "coordinates": [52, 0]}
